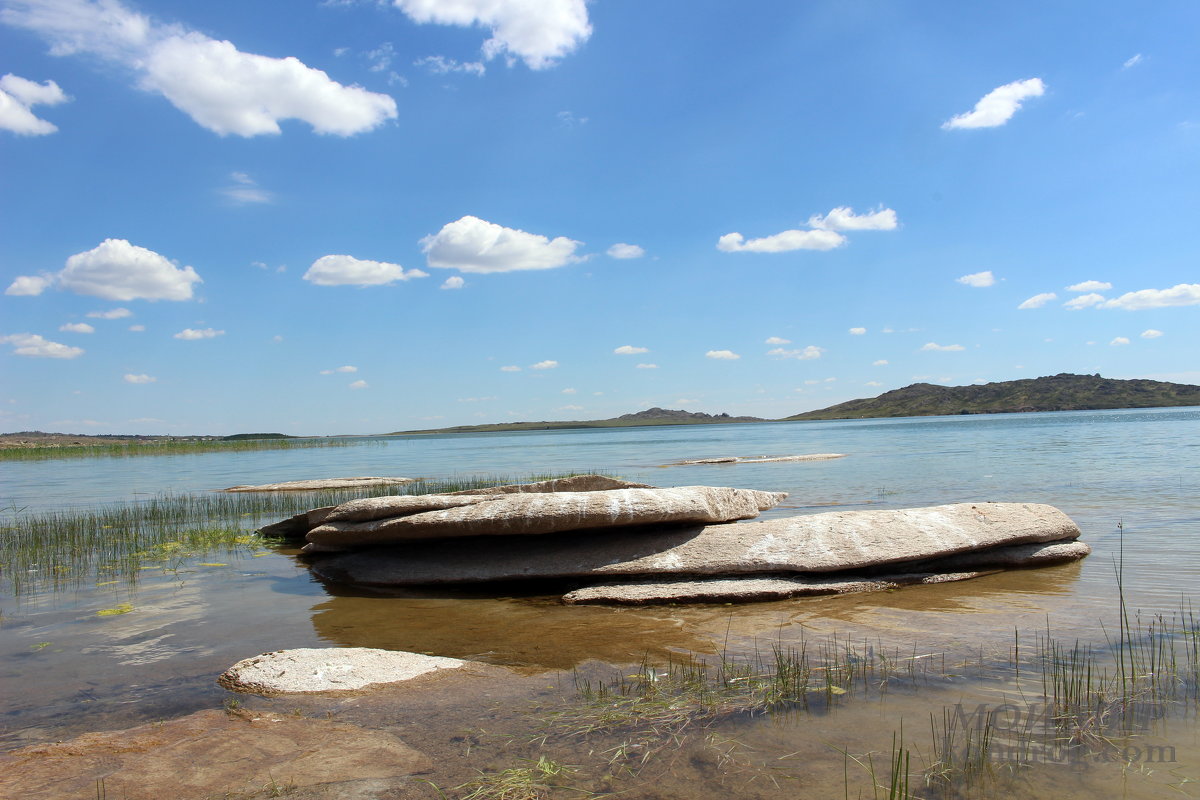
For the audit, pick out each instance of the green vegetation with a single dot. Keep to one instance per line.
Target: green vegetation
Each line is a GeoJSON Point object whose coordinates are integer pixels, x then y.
{"type": "Point", "coordinates": [13, 448]}
{"type": "Point", "coordinates": [1064, 392]}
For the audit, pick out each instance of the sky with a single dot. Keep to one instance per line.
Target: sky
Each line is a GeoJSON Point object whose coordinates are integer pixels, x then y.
{"type": "Point", "coordinates": [363, 216]}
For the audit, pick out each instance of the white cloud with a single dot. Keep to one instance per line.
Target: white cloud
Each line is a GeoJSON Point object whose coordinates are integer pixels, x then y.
{"type": "Point", "coordinates": [942, 348]}
{"type": "Point", "coordinates": [29, 285]}
{"type": "Point", "coordinates": [622, 250]}
{"type": "Point", "coordinates": [440, 65]}
{"type": "Point", "coordinates": [978, 279]}
{"type": "Point", "coordinates": [137, 328]}
{"type": "Point", "coordinates": [781, 242]}
{"type": "Point", "coordinates": [143, 378]}
{"type": "Point", "coordinates": [77, 327]}
{"type": "Point", "coordinates": [114, 313]}
{"type": "Point", "coordinates": [647, 366]}
{"type": "Point", "coordinates": [883, 362]}
{"type": "Point", "coordinates": [1119, 341]}
{"type": "Point", "coordinates": [18, 95]}
{"type": "Point", "coordinates": [722, 355]}
{"type": "Point", "coordinates": [1132, 61]}
{"type": "Point", "coordinates": [510, 369]}
{"type": "Point", "coordinates": [1084, 301]}
{"type": "Point", "coordinates": [567, 119]}
{"type": "Point", "coordinates": [217, 85]}
{"type": "Point", "coordinates": [805, 354]}
{"type": "Point", "coordinates": [537, 32]}
{"type": "Point", "coordinates": [570, 408]}
{"type": "Point", "coordinates": [873, 383]}
{"type": "Point", "coordinates": [1150, 333]}
{"type": "Point", "coordinates": [843, 218]}
{"type": "Point", "coordinates": [34, 346]}
{"type": "Point", "coordinates": [453, 282]}
{"type": "Point", "coordinates": [360, 384]}
{"type": "Point", "coordinates": [193, 334]}
{"type": "Point", "coordinates": [630, 350]}
{"type": "Point", "coordinates": [776, 340]}
{"type": "Point", "coordinates": [337, 270]}
{"type": "Point", "coordinates": [548, 364]}
{"type": "Point", "coordinates": [997, 106]}
{"type": "Point", "coordinates": [1038, 300]}
{"type": "Point", "coordinates": [569, 391]}
{"type": "Point", "coordinates": [245, 191]}
{"type": "Point", "coordinates": [118, 270]}
{"type": "Point", "coordinates": [1183, 294]}
{"type": "Point", "coordinates": [858, 331]}
{"type": "Point", "coordinates": [1090, 286]}
{"type": "Point", "coordinates": [471, 244]}
{"type": "Point", "coordinates": [347, 368]}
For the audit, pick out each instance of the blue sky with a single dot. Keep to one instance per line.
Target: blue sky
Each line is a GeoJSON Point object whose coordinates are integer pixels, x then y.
{"type": "Point", "coordinates": [358, 217]}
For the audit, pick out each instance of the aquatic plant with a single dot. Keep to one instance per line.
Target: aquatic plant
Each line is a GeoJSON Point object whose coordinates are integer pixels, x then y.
{"type": "Point", "coordinates": [170, 447]}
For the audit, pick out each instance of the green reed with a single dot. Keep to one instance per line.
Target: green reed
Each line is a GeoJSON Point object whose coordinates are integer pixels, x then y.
{"type": "Point", "coordinates": [166, 447]}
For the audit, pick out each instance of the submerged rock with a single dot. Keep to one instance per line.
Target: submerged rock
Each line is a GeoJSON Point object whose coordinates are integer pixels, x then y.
{"type": "Point", "coordinates": [323, 483]}
{"type": "Point", "coordinates": [756, 459]}
{"type": "Point", "coordinates": [827, 542]}
{"type": "Point", "coordinates": [575, 483]}
{"type": "Point", "coordinates": [534, 513]}
{"type": "Point", "coordinates": [328, 669]}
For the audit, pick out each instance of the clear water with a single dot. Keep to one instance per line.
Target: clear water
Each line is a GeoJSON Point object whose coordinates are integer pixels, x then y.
{"type": "Point", "coordinates": [63, 669]}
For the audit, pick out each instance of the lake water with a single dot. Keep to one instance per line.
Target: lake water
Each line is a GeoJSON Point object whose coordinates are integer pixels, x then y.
{"type": "Point", "coordinates": [1126, 477]}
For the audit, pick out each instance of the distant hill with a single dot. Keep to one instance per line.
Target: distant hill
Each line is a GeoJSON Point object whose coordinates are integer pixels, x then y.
{"type": "Point", "coordinates": [649, 417]}
{"type": "Point", "coordinates": [1063, 392]}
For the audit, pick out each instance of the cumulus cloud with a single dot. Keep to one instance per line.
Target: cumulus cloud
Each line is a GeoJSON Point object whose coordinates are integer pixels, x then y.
{"type": "Point", "coordinates": [1090, 286]}
{"type": "Point", "coordinates": [858, 331]}
{"type": "Point", "coordinates": [471, 244]}
{"type": "Point", "coordinates": [570, 408]}
{"type": "Point", "coordinates": [622, 250]}
{"type": "Point", "coordinates": [1038, 300]}
{"type": "Point", "coordinates": [346, 368]}
{"type": "Point", "coordinates": [548, 364]}
{"type": "Point", "coordinates": [113, 313]}
{"type": "Point", "coordinates": [360, 384]}
{"type": "Point", "coordinates": [440, 65]}
{"type": "Point", "coordinates": [538, 32]}
{"type": "Point", "coordinates": [220, 87]}
{"type": "Point", "coordinates": [77, 327]}
{"type": "Point", "coordinates": [453, 282]}
{"type": "Point", "coordinates": [1119, 341]}
{"type": "Point", "coordinates": [1183, 294]}
{"type": "Point", "coordinates": [647, 366]}
{"type": "Point", "coordinates": [630, 350]}
{"type": "Point", "coordinates": [942, 348]}
{"type": "Point", "coordinates": [137, 328]}
{"type": "Point", "coordinates": [193, 334]}
{"type": "Point", "coordinates": [18, 95]}
{"type": "Point", "coordinates": [116, 270]}
{"type": "Point", "coordinates": [142, 378]}
{"type": "Point", "coordinates": [722, 355]}
{"type": "Point", "coordinates": [873, 383]}
{"type": "Point", "coordinates": [1150, 333]}
{"type": "Point", "coordinates": [997, 106]}
{"type": "Point", "coordinates": [776, 340]}
{"type": "Point", "coordinates": [569, 391]}
{"type": "Point", "coordinates": [1084, 301]}
{"type": "Point", "coordinates": [510, 369]}
{"type": "Point", "coordinates": [781, 242]}
{"type": "Point", "coordinates": [34, 346]}
{"type": "Point", "coordinates": [883, 362]}
{"type": "Point", "coordinates": [978, 279]}
{"type": "Point", "coordinates": [337, 270]}
{"type": "Point", "coordinates": [843, 218]}
{"type": "Point", "coordinates": [803, 354]}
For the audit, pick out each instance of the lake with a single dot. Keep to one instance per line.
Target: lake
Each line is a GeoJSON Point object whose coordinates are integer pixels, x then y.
{"type": "Point", "coordinates": [1129, 478]}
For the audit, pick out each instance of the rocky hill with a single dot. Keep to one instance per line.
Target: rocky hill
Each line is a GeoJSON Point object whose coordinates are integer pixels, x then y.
{"type": "Point", "coordinates": [1063, 392]}
{"type": "Point", "coordinates": [649, 417]}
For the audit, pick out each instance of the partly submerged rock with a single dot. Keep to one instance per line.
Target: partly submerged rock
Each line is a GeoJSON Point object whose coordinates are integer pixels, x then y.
{"type": "Point", "coordinates": [323, 483]}
{"type": "Point", "coordinates": [208, 754]}
{"type": "Point", "coordinates": [575, 483]}
{"type": "Point", "coordinates": [827, 542]}
{"type": "Point", "coordinates": [755, 459]}
{"type": "Point", "coordinates": [328, 669]}
{"type": "Point", "coordinates": [536, 513]}
{"type": "Point", "coordinates": [741, 590]}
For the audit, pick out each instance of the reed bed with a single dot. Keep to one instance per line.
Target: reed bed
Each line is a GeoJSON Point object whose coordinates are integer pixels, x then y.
{"type": "Point", "coordinates": [170, 447]}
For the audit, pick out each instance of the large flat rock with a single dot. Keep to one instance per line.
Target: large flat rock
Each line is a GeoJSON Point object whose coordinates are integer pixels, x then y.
{"type": "Point", "coordinates": [574, 483]}
{"type": "Point", "coordinates": [329, 669]}
{"type": "Point", "coordinates": [827, 542]}
{"type": "Point", "coordinates": [321, 483]}
{"type": "Point", "coordinates": [535, 513]}
{"type": "Point", "coordinates": [208, 754]}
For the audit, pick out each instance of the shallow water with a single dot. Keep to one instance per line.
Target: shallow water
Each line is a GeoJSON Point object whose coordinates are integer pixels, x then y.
{"type": "Point", "coordinates": [64, 669]}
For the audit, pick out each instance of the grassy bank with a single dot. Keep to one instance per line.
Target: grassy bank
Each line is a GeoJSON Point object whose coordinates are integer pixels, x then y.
{"type": "Point", "coordinates": [165, 447]}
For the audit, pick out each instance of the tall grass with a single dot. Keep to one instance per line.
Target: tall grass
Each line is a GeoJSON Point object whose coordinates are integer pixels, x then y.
{"type": "Point", "coordinates": [165, 447]}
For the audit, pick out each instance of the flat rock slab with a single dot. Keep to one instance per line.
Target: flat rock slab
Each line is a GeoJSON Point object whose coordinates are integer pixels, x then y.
{"type": "Point", "coordinates": [535, 513]}
{"type": "Point", "coordinates": [742, 590]}
{"type": "Point", "coordinates": [575, 483]}
{"type": "Point", "coordinates": [827, 542]}
{"type": "Point", "coordinates": [205, 755]}
{"type": "Point", "coordinates": [324, 483]}
{"type": "Point", "coordinates": [332, 669]}
{"type": "Point", "coordinates": [756, 459]}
